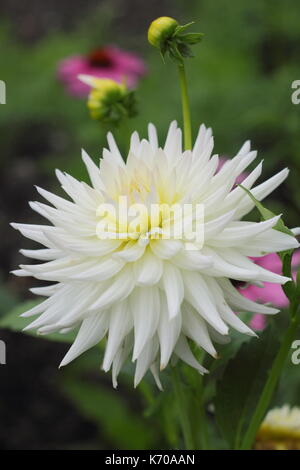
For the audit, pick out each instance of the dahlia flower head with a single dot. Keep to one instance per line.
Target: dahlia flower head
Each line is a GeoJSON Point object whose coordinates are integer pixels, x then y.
{"type": "Point", "coordinates": [151, 296]}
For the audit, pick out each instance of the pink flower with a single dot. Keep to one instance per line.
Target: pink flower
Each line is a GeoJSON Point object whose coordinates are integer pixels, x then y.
{"type": "Point", "coordinates": [271, 293]}
{"type": "Point", "coordinates": [106, 62]}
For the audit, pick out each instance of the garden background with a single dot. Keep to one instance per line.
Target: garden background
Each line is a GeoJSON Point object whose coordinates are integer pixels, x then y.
{"type": "Point", "coordinates": [240, 84]}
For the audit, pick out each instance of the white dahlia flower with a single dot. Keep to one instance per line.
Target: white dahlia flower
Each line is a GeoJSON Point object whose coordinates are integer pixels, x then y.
{"type": "Point", "coordinates": [146, 293]}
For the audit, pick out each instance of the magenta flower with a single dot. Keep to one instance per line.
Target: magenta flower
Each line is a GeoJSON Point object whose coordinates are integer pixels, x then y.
{"type": "Point", "coordinates": [271, 293]}
{"type": "Point", "coordinates": [106, 62]}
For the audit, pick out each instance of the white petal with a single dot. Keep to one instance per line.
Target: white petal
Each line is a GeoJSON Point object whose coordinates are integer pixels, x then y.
{"type": "Point", "coordinates": [173, 287]}
{"type": "Point", "coordinates": [260, 192]}
{"type": "Point", "coordinates": [120, 323]}
{"type": "Point", "coordinates": [240, 232]}
{"type": "Point", "coordinates": [145, 308]}
{"type": "Point", "coordinates": [168, 333]}
{"type": "Point", "coordinates": [131, 252]}
{"type": "Point", "coordinates": [145, 359]}
{"type": "Point", "coordinates": [114, 149]}
{"type": "Point", "coordinates": [165, 249]}
{"type": "Point", "coordinates": [192, 260]}
{"type": "Point", "coordinates": [196, 295]}
{"type": "Point", "coordinates": [195, 328]}
{"type": "Point", "coordinates": [236, 300]}
{"type": "Point", "coordinates": [183, 351]}
{"type": "Point", "coordinates": [91, 332]}
{"type": "Point", "coordinates": [155, 373]}
{"type": "Point", "coordinates": [93, 170]}
{"type": "Point", "coordinates": [120, 358]}
{"type": "Point", "coordinates": [118, 290]}
{"type": "Point", "coordinates": [148, 269]}
{"type": "Point", "coordinates": [152, 136]}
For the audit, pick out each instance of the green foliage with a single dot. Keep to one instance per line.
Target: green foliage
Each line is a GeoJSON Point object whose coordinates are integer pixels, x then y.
{"type": "Point", "coordinates": [240, 84]}
{"type": "Point", "coordinates": [241, 384]}
{"type": "Point", "coordinates": [110, 411]}
{"type": "Point", "coordinates": [14, 322]}
{"type": "Point", "coordinates": [178, 45]}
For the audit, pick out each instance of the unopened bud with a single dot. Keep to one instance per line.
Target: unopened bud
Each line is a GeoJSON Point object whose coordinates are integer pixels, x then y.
{"type": "Point", "coordinates": [169, 37]}
{"type": "Point", "coordinates": [109, 101]}
{"type": "Point", "coordinates": [161, 30]}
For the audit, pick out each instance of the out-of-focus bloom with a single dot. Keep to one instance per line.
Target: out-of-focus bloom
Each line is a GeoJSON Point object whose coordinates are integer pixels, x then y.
{"type": "Point", "coordinates": [269, 292]}
{"type": "Point", "coordinates": [109, 102]}
{"type": "Point", "coordinates": [280, 430]}
{"type": "Point", "coordinates": [142, 286]}
{"type": "Point", "coordinates": [106, 62]}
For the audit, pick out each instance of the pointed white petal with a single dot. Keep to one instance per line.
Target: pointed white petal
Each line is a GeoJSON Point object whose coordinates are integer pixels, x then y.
{"type": "Point", "coordinates": [173, 288]}
{"type": "Point", "coordinates": [195, 328]}
{"type": "Point", "coordinates": [183, 351]}
{"type": "Point", "coordinates": [145, 308]}
{"type": "Point", "coordinates": [91, 332]}
{"type": "Point", "coordinates": [148, 269]}
{"type": "Point", "coordinates": [168, 332]}
{"type": "Point", "coordinates": [121, 322]}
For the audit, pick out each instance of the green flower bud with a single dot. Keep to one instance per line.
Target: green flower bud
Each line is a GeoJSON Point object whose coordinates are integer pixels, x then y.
{"type": "Point", "coordinates": [161, 30]}
{"type": "Point", "coordinates": [169, 37]}
{"type": "Point", "coordinates": [109, 101]}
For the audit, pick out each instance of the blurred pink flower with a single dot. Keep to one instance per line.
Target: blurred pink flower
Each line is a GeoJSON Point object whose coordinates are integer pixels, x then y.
{"type": "Point", "coordinates": [270, 292]}
{"type": "Point", "coordinates": [106, 62]}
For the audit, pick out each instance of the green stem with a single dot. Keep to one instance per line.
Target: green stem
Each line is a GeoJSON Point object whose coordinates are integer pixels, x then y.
{"type": "Point", "coordinates": [182, 410]}
{"type": "Point", "coordinates": [270, 385]}
{"type": "Point", "coordinates": [185, 108]}
{"type": "Point", "coordinates": [202, 418]}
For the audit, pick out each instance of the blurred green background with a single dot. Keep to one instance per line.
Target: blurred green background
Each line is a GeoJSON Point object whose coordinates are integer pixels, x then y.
{"type": "Point", "coordinates": [240, 84]}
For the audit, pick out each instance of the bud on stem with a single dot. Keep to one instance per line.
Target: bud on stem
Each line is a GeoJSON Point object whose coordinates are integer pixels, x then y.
{"type": "Point", "coordinates": [109, 102]}
{"type": "Point", "coordinates": [169, 37]}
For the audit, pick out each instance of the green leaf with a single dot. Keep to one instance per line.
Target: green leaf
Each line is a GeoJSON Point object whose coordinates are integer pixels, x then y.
{"type": "Point", "coordinates": [185, 51]}
{"type": "Point", "coordinates": [267, 214]}
{"type": "Point", "coordinates": [14, 322]}
{"type": "Point", "coordinates": [111, 412]}
{"type": "Point", "coordinates": [191, 38]}
{"type": "Point", "coordinates": [242, 382]}
{"type": "Point", "coordinates": [175, 54]}
{"type": "Point", "coordinates": [181, 29]}
{"type": "Point", "coordinates": [289, 288]}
